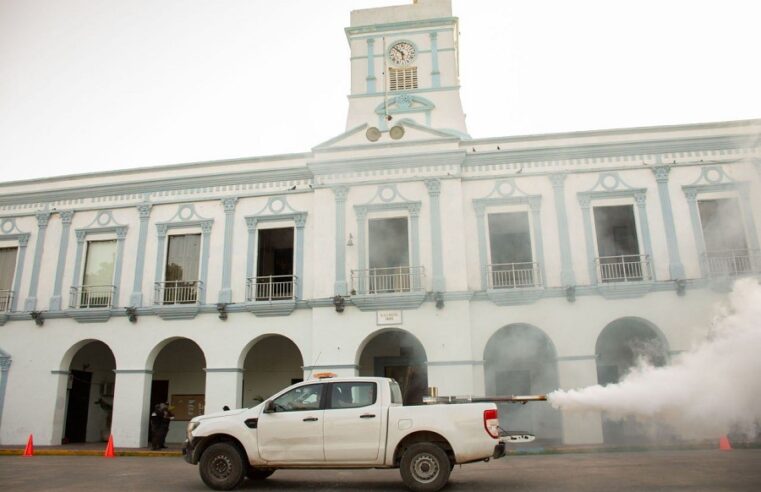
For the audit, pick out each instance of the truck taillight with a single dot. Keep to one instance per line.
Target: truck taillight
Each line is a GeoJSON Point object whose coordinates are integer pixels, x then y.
{"type": "Point", "coordinates": [491, 422]}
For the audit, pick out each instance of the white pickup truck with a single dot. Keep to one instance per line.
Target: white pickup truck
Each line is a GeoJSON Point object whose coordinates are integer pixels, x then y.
{"type": "Point", "coordinates": [342, 423]}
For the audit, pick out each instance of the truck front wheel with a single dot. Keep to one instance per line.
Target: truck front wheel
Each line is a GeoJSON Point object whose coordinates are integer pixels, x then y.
{"type": "Point", "coordinates": [222, 466]}
{"type": "Point", "coordinates": [425, 467]}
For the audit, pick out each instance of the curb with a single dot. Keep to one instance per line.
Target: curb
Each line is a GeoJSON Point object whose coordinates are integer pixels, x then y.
{"type": "Point", "coordinates": [92, 452]}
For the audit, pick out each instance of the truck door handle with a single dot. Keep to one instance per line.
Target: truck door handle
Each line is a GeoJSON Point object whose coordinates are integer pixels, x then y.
{"type": "Point", "coordinates": [310, 419]}
{"type": "Point", "coordinates": [367, 416]}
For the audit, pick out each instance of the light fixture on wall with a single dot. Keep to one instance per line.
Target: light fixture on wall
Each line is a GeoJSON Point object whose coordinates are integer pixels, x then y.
{"type": "Point", "coordinates": [439, 298]}
{"type": "Point", "coordinates": [37, 317]}
{"type": "Point", "coordinates": [350, 242]}
{"type": "Point", "coordinates": [339, 302]}
{"type": "Point", "coordinates": [570, 293]}
{"type": "Point", "coordinates": [681, 286]}
{"type": "Point", "coordinates": [222, 309]}
{"type": "Point", "coordinates": [131, 314]}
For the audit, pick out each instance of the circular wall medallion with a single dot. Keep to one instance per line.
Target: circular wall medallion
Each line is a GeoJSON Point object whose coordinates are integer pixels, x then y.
{"type": "Point", "coordinates": [609, 181]}
{"type": "Point", "coordinates": [186, 212]}
{"type": "Point", "coordinates": [7, 225]}
{"type": "Point", "coordinates": [713, 175]}
{"type": "Point", "coordinates": [396, 132]}
{"type": "Point", "coordinates": [387, 193]}
{"type": "Point", "coordinates": [104, 218]}
{"type": "Point", "coordinates": [277, 205]}
{"type": "Point", "coordinates": [505, 188]}
{"type": "Point", "coordinates": [373, 134]}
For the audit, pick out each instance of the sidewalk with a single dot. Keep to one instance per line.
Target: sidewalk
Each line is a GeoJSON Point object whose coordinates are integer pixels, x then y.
{"type": "Point", "coordinates": [91, 449]}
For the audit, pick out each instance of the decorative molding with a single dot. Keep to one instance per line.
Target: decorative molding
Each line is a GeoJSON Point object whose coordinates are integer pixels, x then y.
{"type": "Point", "coordinates": [63, 245]}
{"type": "Point", "coordinates": [405, 103]}
{"type": "Point", "coordinates": [42, 216]}
{"type": "Point", "coordinates": [224, 369]}
{"type": "Point", "coordinates": [676, 269]}
{"type": "Point", "coordinates": [226, 293]}
{"type": "Point", "coordinates": [175, 312]}
{"type": "Point", "coordinates": [375, 302]}
{"type": "Point", "coordinates": [9, 231]}
{"type": "Point", "coordinates": [96, 315]}
{"type": "Point", "coordinates": [271, 308]}
{"type": "Point", "coordinates": [144, 214]}
{"type": "Point", "coordinates": [438, 281]}
{"type": "Point", "coordinates": [341, 193]}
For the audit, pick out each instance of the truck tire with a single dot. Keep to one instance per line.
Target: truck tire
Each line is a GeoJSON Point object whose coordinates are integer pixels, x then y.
{"type": "Point", "coordinates": [425, 467]}
{"type": "Point", "coordinates": [222, 467]}
{"type": "Point", "coordinates": [259, 473]}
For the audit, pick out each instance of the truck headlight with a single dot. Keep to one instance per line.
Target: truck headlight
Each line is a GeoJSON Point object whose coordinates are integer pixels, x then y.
{"type": "Point", "coordinates": [191, 427]}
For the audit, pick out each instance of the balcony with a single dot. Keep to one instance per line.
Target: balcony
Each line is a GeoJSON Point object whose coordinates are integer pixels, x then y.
{"type": "Point", "coordinates": [91, 296]}
{"type": "Point", "coordinates": [399, 287]}
{"type": "Point", "coordinates": [514, 275]}
{"type": "Point", "coordinates": [270, 288]}
{"type": "Point", "coordinates": [177, 292]}
{"type": "Point", "coordinates": [6, 300]}
{"type": "Point", "coordinates": [733, 263]}
{"type": "Point", "coordinates": [271, 295]}
{"type": "Point", "coordinates": [623, 268]}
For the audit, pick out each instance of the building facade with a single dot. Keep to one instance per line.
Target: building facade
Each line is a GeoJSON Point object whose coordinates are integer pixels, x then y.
{"type": "Point", "coordinates": [402, 247]}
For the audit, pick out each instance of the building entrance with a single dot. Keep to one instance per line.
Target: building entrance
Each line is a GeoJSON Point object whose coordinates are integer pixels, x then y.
{"type": "Point", "coordinates": [400, 356]}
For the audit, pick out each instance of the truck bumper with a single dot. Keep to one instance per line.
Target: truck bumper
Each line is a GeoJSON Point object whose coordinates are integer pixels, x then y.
{"type": "Point", "coordinates": [499, 450]}
{"type": "Point", "coordinates": [187, 451]}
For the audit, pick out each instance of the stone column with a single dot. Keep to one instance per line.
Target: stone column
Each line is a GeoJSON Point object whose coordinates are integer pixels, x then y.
{"type": "Point", "coordinates": [676, 269]}
{"type": "Point", "coordinates": [697, 231]}
{"type": "Point", "coordinates": [76, 275]}
{"type": "Point", "coordinates": [161, 230]}
{"type": "Point", "coordinates": [582, 427]}
{"type": "Point", "coordinates": [55, 300]}
{"type": "Point", "coordinates": [121, 235]}
{"type": "Point", "coordinates": [415, 242]}
{"type": "Point", "coordinates": [371, 66]}
{"type": "Point", "coordinates": [204, 273]}
{"type": "Point", "coordinates": [23, 242]}
{"type": "Point", "coordinates": [482, 241]}
{"type": "Point", "coordinates": [340, 283]}
{"type": "Point", "coordinates": [586, 206]}
{"type": "Point", "coordinates": [300, 221]}
{"type": "Point", "coordinates": [5, 365]}
{"type": "Point", "coordinates": [132, 399]}
{"type": "Point", "coordinates": [251, 257]}
{"type": "Point", "coordinates": [435, 74]}
{"type": "Point", "coordinates": [144, 213]}
{"type": "Point", "coordinates": [641, 199]}
{"type": "Point", "coordinates": [361, 251]}
{"type": "Point", "coordinates": [567, 276]}
{"type": "Point", "coordinates": [224, 386]}
{"type": "Point", "coordinates": [42, 226]}
{"type": "Point", "coordinates": [535, 205]}
{"type": "Point", "coordinates": [434, 191]}
{"type": "Point", "coordinates": [226, 294]}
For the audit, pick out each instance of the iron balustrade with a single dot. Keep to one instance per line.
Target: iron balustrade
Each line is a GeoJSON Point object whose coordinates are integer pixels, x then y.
{"type": "Point", "coordinates": [388, 280]}
{"type": "Point", "coordinates": [6, 300]}
{"type": "Point", "coordinates": [514, 275]}
{"type": "Point", "coordinates": [177, 292]}
{"type": "Point", "coordinates": [733, 262]}
{"type": "Point", "coordinates": [271, 287]}
{"type": "Point", "coordinates": [91, 296]}
{"type": "Point", "coordinates": [624, 268]}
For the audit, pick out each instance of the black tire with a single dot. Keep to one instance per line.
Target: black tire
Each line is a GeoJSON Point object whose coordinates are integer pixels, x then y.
{"type": "Point", "coordinates": [222, 467]}
{"type": "Point", "coordinates": [259, 473]}
{"type": "Point", "coordinates": [425, 467]}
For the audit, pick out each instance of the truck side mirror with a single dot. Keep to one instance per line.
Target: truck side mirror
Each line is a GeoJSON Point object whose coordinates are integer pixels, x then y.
{"type": "Point", "coordinates": [269, 407]}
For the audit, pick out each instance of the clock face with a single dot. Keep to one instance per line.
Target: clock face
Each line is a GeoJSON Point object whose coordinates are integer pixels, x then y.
{"type": "Point", "coordinates": [402, 53]}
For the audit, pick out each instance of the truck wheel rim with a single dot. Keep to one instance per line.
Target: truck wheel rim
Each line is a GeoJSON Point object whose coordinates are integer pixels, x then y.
{"type": "Point", "coordinates": [425, 468]}
{"type": "Point", "coordinates": [221, 467]}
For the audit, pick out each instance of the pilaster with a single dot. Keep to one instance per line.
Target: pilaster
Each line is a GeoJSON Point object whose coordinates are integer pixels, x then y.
{"type": "Point", "coordinates": [641, 200]}
{"type": "Point", "coordinates": [340, 192]}
{"type": "Point", "coordinates": [434, 191]}
{"type": "Point", "coordinates": [224, 386]}
{"type": "Point", "coordinates": [370, 66]}
{"type": "Point", "coordinates": [144, 213]}
{"type": "Point", "coordinates": [567, 276]}
{"type": "Point", "coordinates": [676, 269]}
{"type": "Point", "coordinates": [132, 393]}
{"type": "Point", "coordinates": [66, 218]}
{"type": "Point", "coordinates": [42, 226]}
{"type": "Point", "coordinates": [435, 74]}
{"type": "Point", "coordinates": [225, 294]}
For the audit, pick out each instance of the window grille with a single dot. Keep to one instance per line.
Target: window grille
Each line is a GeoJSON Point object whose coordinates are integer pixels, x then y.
{"type": "Point", "coordinates": [402, 78]}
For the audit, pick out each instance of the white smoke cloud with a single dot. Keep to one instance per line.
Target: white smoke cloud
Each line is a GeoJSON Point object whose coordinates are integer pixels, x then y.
{"type": "Point", "coordinates": [707, 391]}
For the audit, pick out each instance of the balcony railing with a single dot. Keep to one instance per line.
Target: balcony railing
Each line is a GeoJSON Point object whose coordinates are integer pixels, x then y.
{"type": "Point", "coordinates": [624, 268]}
{"type": "Point", "coordinates": [91, 296]}
{"type": "Point", "coordinates": [177, 292]}
{"type": "Point", "coordinates": [732, 263]}
{"type": "Point", "coordinates": [6, 300]}
{"type": "Point", "coordinates": [388, 280]}
{"type": "Point", "coordinates": [514, 275]}
{"type": "Point", "coordinates": [271, 288]}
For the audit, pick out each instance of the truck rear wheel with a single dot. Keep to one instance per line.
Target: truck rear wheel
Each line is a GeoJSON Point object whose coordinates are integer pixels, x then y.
{"type": "Point", "coordinates": [222, 466]}
{"type": "Point", "coordinates": [425, 467]}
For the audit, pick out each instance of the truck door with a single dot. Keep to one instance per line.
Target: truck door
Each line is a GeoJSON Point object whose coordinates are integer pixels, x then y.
{"type": "Point", "coordinates": [293, 432]}
{"type": "Point", "coordinates": [353, 421]}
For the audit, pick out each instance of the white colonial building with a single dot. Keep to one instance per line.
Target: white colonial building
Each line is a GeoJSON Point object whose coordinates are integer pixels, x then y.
{"type": "Point", "coordinates": [401, 247]}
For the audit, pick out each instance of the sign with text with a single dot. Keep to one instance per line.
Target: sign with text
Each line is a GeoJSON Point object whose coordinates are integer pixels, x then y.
{"type": "Point", "coordinates": [388, 317]}
{"type": "Point", "coordinates": [187, 406]}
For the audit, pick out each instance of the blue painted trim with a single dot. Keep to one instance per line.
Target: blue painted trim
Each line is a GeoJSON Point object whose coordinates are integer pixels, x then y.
{"type": "Point", "coordinates": [370, 66]}
{"type": "Point", "coordinates": [361, 214]}
{"type": "Point", "coordinates": [535, 205]}
{"type": "Point", "coordinates": [225, 294]}
{"type": "Point", "coordinates": [66, 217]}
{"type": "Point", "coordinates": [697, 231]}
{"type": "Point", "coordinates": [104, 223]}
{"type": "Point", "coordinates": [567, 275]}
{"type": "Point", "coordinates": [144, 213]}
{"type": "Point", "coordinates": [42, 225]}
{"type": "Point", "coordinates": [676, 269]}
{"type": "Point", "coordinates": [328, 143]}
{"type": "Point", "coordinates": [23, 241]}
{"type": "Point", "coordinates": [121, 234]}
{"type": "Point", "coordinates": [641, 199]}
{"type": "Point", "coordinates": [437, 273]}
{"type": "Point", "coordinates": [251, 245]}
{"type": "Point", "coordinates": [364, 57]}
{"type": "Point", "coordinates": [586, 212]}
{"type": "Point", "coordinates": [747, 213]}
{"type": "Point", "coordinates": [76, 274]}
{"type": "Point", "coordinates": [5, 365]}
{"type": "Point", "coordinates": [300, 222]}
{"type": "Point", "coordinates": [435, 74]}
{"type": "Point", "coordinates": [204, 272]}
{"type": "Point", "coordinates": [340, 286]}
{"type": "Point", "coordinates": [454, 88]}
{"type": "Point", "coordinates": [400, 27]}
{"type": "Point", "coordinates": [482, 253]}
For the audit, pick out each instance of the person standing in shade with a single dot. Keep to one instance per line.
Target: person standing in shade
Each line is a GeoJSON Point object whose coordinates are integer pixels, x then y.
{"type": "Point", "coordinates": [160, 419]}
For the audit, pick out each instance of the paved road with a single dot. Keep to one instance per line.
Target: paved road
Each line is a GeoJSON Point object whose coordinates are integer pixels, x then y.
{"type": "Point", "coordinates": [738, 470]}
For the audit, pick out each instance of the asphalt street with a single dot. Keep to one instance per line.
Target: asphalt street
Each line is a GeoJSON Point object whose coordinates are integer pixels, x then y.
{"type": "Point", "coordinates": [737, 470]}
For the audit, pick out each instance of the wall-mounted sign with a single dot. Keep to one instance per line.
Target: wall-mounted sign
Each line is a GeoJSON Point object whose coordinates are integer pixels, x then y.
{"type": "Point", "coordinates": [388, 317]}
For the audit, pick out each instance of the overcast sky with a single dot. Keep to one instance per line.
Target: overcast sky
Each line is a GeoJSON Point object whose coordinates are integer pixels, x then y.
{"type": "Point", "coordinates": [90, 85]}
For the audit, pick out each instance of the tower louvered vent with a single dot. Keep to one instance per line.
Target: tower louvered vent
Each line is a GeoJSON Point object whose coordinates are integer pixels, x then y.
{"type": "Point", "coordinates": [402, 78]}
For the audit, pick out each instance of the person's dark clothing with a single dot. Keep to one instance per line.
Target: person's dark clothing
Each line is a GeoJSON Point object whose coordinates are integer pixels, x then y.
{"type": "Point", "coordinates": [160, 418]}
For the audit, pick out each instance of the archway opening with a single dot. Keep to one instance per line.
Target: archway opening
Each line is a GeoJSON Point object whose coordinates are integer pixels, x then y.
{"type": "Point", "coordinates": [179, 379]}
{"type": "Point", "coordinates": [620, 346]}
{"type": "Point", "coordinates": [520, 360]}
{"type": "Point", "coordinates": [400, 356]}
{"type": "Point", "coordinates": [270, 365]}
{"type": "Point", "coordinates": [90, 394]}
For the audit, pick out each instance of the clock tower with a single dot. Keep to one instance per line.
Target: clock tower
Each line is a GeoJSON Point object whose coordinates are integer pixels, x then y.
{"type": "Point", "coordinates": [404, 71]}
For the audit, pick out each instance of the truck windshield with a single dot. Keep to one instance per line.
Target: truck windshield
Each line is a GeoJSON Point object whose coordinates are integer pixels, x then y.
{"type": "Point", "coordinates": [396, 392]}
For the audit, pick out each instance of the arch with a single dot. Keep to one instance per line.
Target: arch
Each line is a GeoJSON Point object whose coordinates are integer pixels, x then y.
{"type": "Point", "coordinates": [270, 363]}
{"type": "Point", "coordinates": [398, 354]}
{"type": "Point", "coordinates": [520, 358]}
{"type": "Point", "coordinates": [250, 345]}
{"type": "Point", "coordinates": [154, 352]}
{"type": "Point", "coordinates": [66, 358]}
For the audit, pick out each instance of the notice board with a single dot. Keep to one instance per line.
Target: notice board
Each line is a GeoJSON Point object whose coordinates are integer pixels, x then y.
{"type": "Point", "coordinates": [185, 407]}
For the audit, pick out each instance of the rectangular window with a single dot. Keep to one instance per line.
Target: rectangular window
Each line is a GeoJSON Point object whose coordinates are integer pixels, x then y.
{"type": "Point", "coordinates": [389, 255]}
{"type": "Point", "coordinates": [97, 281]}
{"type": "Point", "coordinates": [512, 263]}
{"type": "Point", "coordinates": [724, 236]}
{"type": "Point", "coordinates": [7, 272]}
{"type": "Point", "coordinates": [352, 395]}
{"type": "Point", "coordinates": [618, 245]}
{"type": "Point", "coordinates": [402, 78]}
{"type": "Point", "coordinates": [274, 264]}
{"type": "Point", "coordinates": [181, 274]}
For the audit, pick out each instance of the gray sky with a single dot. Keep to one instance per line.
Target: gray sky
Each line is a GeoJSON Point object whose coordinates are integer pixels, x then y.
{"type": "Point", "coordinates": [89, 85]}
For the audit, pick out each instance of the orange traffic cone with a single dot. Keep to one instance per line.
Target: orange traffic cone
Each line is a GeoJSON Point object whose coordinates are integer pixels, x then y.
{"type": "Point", "coordinates": [109, 447]}
{"type": "Point", "coordinates": [29, 450]}
{"type": "Point", "coordinates": [724, 444]}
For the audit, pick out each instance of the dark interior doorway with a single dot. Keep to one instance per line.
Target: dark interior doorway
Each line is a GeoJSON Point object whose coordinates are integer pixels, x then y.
{"type": "Point", "coordinates": [159, 394]}
{"type": "Point", "coordinates": [78, 407]}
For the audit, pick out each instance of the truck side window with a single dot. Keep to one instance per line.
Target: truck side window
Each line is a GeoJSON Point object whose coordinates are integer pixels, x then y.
{"type": "Point", "coordinates": [352, 395]}
{"type": "Point", "coordinates": [301, 398]}
{"type": "Point", "coordinates": [396, 392]}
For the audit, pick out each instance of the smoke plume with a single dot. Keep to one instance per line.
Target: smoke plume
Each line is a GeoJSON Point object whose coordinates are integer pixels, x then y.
{"type": "Point", "coordinates": [707, 391]}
